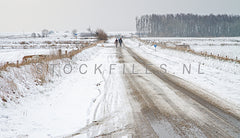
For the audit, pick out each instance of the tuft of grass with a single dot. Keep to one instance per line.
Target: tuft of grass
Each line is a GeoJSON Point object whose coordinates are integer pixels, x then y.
{"type": "Point", "coordinates": [23, 43]}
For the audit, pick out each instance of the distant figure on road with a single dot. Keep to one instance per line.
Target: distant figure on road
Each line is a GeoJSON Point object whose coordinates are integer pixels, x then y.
{"type": "Point", "coordinates": [116, 42]}
{"type": "Point", "coordinates": [120, 42]}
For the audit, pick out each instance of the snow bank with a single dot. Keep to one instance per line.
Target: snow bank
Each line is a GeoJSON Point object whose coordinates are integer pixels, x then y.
{"type": "Point", "coordinates": [53, 109]}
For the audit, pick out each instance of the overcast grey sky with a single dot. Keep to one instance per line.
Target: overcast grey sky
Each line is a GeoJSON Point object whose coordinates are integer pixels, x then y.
{"type": "Point", "coordinates": [111, 15]}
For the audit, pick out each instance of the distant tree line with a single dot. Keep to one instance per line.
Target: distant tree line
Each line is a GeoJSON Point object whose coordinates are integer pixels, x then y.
{"type": "Point", "coordinates": [186, 25]}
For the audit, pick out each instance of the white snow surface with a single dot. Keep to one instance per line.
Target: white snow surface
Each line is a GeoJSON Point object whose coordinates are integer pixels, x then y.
{"type": "Point", "coordinates": [71, 101]}
{"type": "Point", "coordinates": [10, 55]}
{"type": "Point", "coordinates": [219, 78]}
{"type": "Point", "coordinates": [56, 108]}
{"type": "Point", "coordinates": [224, 46]}
{"type": "Point", "coordinates": [14, 46]}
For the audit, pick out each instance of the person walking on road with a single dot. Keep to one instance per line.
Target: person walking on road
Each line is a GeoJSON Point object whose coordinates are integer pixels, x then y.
{"type": "Point", "coordinates": [120, 42]}
{"type": "Point", "coordinates": [116, 42]}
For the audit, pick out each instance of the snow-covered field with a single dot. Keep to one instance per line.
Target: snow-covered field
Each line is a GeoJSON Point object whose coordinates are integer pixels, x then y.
{"type": "Point", "coordinates": [12, 55]}
{"type": "Point", "coordinates": [224, 46]}
{"type": "Point", "coordinates": [15, 48]}
{"type": "Point", "coordinates": [219, 78]}
{"type": "Point", "coordinates": [65, 103]}
{"type": "Point", "coordinates": [57, 108]}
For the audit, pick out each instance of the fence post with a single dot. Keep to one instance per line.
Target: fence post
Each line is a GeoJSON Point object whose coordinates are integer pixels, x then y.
{"type": "Point", "coordinates": [60, 53]}
{"type": "Point", "coordinates": [6, 65]}
{"type": "Point", "coordinates": [17, 63]}
{"type": "Point", "coordinates": [226, 57]}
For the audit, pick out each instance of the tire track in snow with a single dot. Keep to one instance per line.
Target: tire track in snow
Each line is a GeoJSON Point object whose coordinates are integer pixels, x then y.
{"type": "Point", "coordinates": [110, 103]}
{"type": "Point", "coordinates": [216, 114]}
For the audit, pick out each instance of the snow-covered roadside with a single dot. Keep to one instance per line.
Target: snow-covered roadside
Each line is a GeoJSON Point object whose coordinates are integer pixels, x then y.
{"type": "Point", "coordinates": [224, 46]}
{"type": "Point", "coordinates": [112, 109]}
{"type": "Point", "coordinates": [221, 79]}
{"type": "Point", "coordinates": [56, 108]}
{"type": "Point", "coordinates": [12, 55]}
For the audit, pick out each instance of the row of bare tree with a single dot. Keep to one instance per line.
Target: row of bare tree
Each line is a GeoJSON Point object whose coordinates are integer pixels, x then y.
{"type": "Point", "coordinates": [187, 25]}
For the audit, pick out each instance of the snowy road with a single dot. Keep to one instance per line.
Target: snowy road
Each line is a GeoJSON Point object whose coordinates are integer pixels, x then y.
{"type": "Point", "coordinates": [165, 104]}
{"type": "Point", "coordinates": [140, 103]}
{"type": "Point", "coordinates": [122, 94]}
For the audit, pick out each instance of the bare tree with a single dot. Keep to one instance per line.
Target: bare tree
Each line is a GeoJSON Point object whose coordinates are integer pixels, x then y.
{"type": "Point", "coordinates": [34, 35]}
{"type": "Point", "coordinates": [44, 33]}
{"type": "Point", "coordinates": [184, 25]}
{"type": "Point", "coordinates": [90, 30]}
{"type": "Point", "coordinates": [101, 35]}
